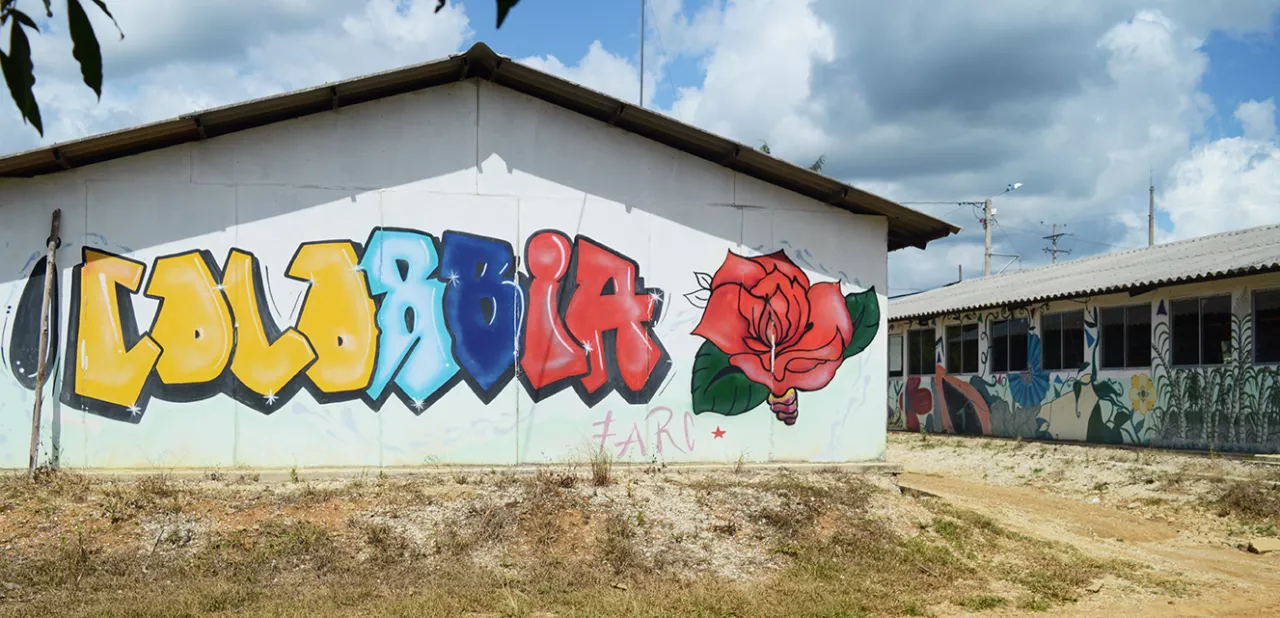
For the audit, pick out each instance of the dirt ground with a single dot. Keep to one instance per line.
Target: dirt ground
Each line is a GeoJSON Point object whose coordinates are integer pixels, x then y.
{"type": "Point", "coordinates": [1154, 507]}
{"type": "Point", "coordinates": [974, 526]}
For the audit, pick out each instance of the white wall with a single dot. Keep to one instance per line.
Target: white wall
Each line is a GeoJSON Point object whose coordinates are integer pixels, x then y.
{"type": "Point", "coordinates": [470, 157]}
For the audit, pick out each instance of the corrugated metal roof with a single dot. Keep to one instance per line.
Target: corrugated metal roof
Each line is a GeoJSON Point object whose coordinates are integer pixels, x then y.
{"type": "Point", "coordinates": [1208, 257]}
{"type": "Point", "coordinates": [907, 227]}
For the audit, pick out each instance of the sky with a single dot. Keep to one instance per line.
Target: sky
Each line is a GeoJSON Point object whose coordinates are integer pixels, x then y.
{"type": "Point", "coordinates": [1084, 102]}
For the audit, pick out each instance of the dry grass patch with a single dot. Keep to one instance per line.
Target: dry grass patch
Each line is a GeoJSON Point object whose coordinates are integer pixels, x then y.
{"type": "Point", "coordinates": [512, 546]}
{"type": "Point", "coordinates": [1254, 501]}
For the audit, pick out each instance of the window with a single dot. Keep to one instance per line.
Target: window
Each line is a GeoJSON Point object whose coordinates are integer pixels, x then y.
{"type": "Point", "coordinates": [1062, 339]}
{"type": "Point", "coordinates": [1009, 345]}
{"type": "Point", "coordinates": [1124, 337]}
{"type": "Point", "coordinates": [895, 356]}
{"type": "Point", "coordinates": [1201, 330]}
{"type": "Point", "coordinates": [962, 348]}
{"type": "Point", "coordinates": [920, 352]}
{"type": "Point", "coordinates": [1266, 326]}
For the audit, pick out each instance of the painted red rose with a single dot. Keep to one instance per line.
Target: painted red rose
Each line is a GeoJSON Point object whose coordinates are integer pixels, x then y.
{"type": "Point", "coordinates": [779, 329]}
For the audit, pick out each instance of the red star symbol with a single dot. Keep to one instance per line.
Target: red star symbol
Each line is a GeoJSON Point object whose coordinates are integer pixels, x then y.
{"type": "Point", "coordinates": [719, 433]}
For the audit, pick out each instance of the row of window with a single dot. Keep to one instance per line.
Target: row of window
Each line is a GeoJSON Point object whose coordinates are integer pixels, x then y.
{"type": "Point", "coordinates": [1200, 331]}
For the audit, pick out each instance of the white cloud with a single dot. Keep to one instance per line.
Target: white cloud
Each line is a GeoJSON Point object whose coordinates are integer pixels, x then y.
{"type": "Point", "coordinates": [1258, 118]}
{"type": "Point", "coordinates": [599, 70]}
{"type": "Point", "coordinates": [179, 57]}
{"type": "Point", "coordinates": [758, 76]}
{"type": "Point", "coordinates": [914, 99]}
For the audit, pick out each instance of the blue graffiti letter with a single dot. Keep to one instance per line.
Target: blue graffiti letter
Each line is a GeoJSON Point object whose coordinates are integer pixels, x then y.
{"type": "Point", "coordinates": [482, 304]}
{"type": "Point", "coordinates": [399, 264]}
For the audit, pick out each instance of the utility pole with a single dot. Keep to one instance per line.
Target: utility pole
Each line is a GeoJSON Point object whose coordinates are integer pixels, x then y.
{"type": "Point", "coordinates": [1053, 238]}
{"type": "Point", "coordinates": [986, 226]}
{"type": "Point", "coordinates": [988, 217]}
{"type": "Point", "coordinates": [1151, 212]}
{"type": "Point", "coordinates": [642, 53]}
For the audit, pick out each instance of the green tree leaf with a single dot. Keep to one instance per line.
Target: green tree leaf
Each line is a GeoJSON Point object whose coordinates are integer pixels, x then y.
{"type": "Point", "coordinates": [719, 387]}
{"type": "Point", "coordinates": [864, 310]}
{"type": "Point", "coordinates": [103, 6]}
{"type": "Point", "coordinates": [19, 72]}
{"type": "Point", "coordinates": [504, 7]}
{"type": "Point", "coordinates": [85, 46]}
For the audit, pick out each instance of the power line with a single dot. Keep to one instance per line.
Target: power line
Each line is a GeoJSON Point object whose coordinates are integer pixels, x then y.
{"type": "Point", "coordinates": [1005, 235]}
{"type": "Point", "coordinates": [1073, 237]}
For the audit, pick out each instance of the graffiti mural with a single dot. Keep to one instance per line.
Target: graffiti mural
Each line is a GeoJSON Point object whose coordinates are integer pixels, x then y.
{"type": "Point", "coordinates": [770, 334]}
{"type": "Point", "coordinates": [1220, 407]}
{"type": "Point", "coordinates": [406, 314]}
{"type": "Point", "coordinates": [1234, 405]}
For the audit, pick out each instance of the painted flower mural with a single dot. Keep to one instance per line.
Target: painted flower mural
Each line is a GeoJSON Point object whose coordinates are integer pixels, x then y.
{"type": "Point", "coordinates": [915, 401]}
{"type": "Point", "coordinates": [1029, 386]}
{"type": "Point", "coordinates": [771, 333]}
{"type": "Point", "coordinates": [1142, 393]}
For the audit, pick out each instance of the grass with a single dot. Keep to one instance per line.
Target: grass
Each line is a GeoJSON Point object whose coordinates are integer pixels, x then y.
{"type": "Point", "coordinates": [547, 542]}
{"type": "Point", "coordinates": [982, 602]}
{"type": "Point", "coordinates": [1253, 501]}
{"type": "Point", "coordinates": [601, 463]}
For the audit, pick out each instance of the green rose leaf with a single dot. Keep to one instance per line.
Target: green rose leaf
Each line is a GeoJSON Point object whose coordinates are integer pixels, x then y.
{"type": "Point", "coordinates": [720, 387]}
{"type": "Point", "coordinates": [864, 310]}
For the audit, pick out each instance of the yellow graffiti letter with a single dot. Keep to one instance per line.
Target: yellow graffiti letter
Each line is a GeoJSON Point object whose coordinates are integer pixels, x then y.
{"type": "Point", "coordinates": [105, 369]}
{"type": "Point", "coordinates": [262, 365]}
{"type": "Point", "coordinates": [193, 325]}
{"type": "Point", "coordinates": [337, 316]}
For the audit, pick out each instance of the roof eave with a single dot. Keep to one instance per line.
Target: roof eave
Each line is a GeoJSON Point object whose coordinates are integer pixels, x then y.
{"type": "Point", "coordinates": [907, 227]}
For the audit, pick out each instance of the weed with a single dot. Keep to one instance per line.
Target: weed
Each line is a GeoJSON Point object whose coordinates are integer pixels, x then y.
{"type": "Point", "coordinates": [157, 486]}
{"type": "Point", "coordinates": [1249, 500]}
{"type": "Point", "coordinates": [178, 536]}
{"type": "Point", "coordinates": [554, 479]}
{"type": "Point", "coordinates": [727, 528]}
{"type": "Point", "coordinates": [981, 602]}
{"type": "Point", "coordinates": [601, 462]}
{"type": "Point", "coordinates": [617, 544]}
{"type": "Point", "coordinates": [740, 465]}
{"type": "Point", "coordinates": [293, 475]}
{"type": "Point", "coordinates": [387, 543]}
{"type": "Point", "coordinates": [1034, 604]}
{"type": "Point", "coordinates": [461, 478]}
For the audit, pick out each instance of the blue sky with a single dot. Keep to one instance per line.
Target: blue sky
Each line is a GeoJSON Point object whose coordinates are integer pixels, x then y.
{"type": "Point", "coordinates": [564, 28]}
{"type": "Point", "coordinates": [1241, 68]}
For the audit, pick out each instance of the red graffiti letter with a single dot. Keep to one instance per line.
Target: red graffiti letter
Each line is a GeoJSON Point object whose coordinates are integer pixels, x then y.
{"type": "Point", "coordinates": [549, 354]}
{"type": "Point", "coordinates": [595, 309]}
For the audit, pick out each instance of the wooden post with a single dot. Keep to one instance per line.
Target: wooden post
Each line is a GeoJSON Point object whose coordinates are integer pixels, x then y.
{"type": "Point", "coordinates": [51, 249]}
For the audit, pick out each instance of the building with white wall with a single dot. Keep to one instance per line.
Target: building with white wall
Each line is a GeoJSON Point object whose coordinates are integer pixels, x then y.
{"type": "Point", "coordinates": [1176, 345]}
{"type": "Point", "coordinates": [466, 261]}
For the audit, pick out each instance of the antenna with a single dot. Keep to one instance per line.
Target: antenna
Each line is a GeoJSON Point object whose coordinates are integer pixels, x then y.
{"type": "Point", "coordinates": [642, 53]}
{"type": "Point", "coordinates": [1053, 238]}
{"type": "Point", "coordinates": [1151, 209]}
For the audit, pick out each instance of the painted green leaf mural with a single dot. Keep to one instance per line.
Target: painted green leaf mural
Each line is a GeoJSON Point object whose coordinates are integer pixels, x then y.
{"type": "Point", "coordinates": [864, 310]}
{"type": "Point", "coordinates": [720, 387]}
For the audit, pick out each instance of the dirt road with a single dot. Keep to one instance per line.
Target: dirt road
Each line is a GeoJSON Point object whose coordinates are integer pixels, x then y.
{"type": "Point", "coordinates": [1101, 519]}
